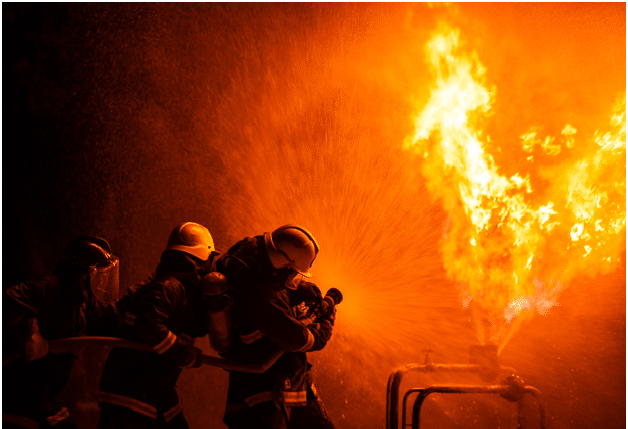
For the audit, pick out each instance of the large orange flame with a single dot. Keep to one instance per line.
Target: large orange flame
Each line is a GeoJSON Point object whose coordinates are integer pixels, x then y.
{"type": "Point", "coordinates": [515, 242]}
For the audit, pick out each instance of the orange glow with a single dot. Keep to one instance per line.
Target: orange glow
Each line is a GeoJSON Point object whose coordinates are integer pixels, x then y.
{"type": "Point", "coordinates": [514, 242]}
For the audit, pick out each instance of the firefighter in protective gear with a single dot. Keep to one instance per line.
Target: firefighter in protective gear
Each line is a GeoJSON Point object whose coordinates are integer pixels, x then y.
{"type": "Point", "coordinates": [137, 388]}
{"type": "Point", "coordinates": [265, 275]}
{"type": "Point", "coordinates": [75, 299]}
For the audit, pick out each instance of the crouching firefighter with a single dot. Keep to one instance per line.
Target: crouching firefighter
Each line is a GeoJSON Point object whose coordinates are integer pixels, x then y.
{"type": "Point", "coordinates": [265, 275]}
{"type": "Point", "coordinates": [137, 388]}
{"type": "Point", "coordinates": [75, 299]}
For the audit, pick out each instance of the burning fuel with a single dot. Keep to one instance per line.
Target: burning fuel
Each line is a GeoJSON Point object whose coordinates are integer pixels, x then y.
{"type": "Point", "coordinates": [515, 241]}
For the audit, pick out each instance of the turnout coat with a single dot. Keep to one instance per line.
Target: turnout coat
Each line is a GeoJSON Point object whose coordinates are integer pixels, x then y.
{"type": "Point", "coordinates": [60, 308]}
{"type": "Point", "coordinates": [265, 322]}
{"type": "Point", "coordinates": [165, 312]}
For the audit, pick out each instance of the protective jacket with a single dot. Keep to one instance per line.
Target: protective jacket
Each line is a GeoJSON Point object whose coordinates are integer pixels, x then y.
{"type": "Point", "coordinates": [166, 313]}
{"type": "Point", "coordinates": [60, 308]}
{"type": "Point", "coordinates": [265, 321]}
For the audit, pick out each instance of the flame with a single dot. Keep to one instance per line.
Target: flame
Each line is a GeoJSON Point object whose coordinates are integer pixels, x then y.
{"type": "Point", "coordinates": [514, 246]}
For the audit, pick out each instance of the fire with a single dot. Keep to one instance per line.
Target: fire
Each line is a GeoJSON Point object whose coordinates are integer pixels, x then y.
{"type": "Point", "coordinates": [514, 242]}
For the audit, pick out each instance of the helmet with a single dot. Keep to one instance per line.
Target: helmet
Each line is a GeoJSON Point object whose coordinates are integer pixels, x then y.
{"type": "Point", "coordinates": [292, 246]}
{"type": "Point", "coordinates": [192, 238]}
{"type": "Point", "coordinates": [87, 251]}
{"type": "Point", "coordinates": [92, 255]}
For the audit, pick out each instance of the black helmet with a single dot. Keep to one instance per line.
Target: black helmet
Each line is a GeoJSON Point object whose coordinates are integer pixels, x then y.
{"type": "Point", "coordinates": [88, 251]}
{"type": "Point", "coordinates": [89, 255]}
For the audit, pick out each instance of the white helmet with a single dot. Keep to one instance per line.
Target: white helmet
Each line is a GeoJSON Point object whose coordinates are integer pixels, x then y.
{"type": "Point", "coordinates": [192, 238]}
{"type": "Point", "coordinates": [292, 246]}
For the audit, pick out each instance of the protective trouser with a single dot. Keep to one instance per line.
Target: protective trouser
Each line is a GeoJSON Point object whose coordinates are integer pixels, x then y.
{"type": "Point", "coordinates": [311, 416]}
{"type": "Point", "coordinates": [267, 415]}
{"type": "Point", "coordinates": [30, 390]}
{"type": "Point", "coordinates": [137, 391]}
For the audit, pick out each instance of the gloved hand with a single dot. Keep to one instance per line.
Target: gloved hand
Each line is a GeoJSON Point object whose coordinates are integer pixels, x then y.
{"type": "Point", "coordinates": [332, 316]}
{"type": "Point", "coordinates": [36, 347]}
{"type": "Point", "coordinates": [322, 334]}
{"type": "Point", "coordinates": [193, 359]}
{"type": "Point", "coordinates": [309, 293]}
{"type": "Point", "coordinates": [189, 356]}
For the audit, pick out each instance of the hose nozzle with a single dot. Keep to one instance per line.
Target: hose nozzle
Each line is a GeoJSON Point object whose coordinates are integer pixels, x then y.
{"type": "Point", "coordinates": [333, 297]}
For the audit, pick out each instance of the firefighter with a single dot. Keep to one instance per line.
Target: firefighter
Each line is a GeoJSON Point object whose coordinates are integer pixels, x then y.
{"type": "Point", "coordinates": [75, 299]}
{"type": "Point", "coordinates": [265, 276]}
{"type": "Point", "coordinates": [137, 388]}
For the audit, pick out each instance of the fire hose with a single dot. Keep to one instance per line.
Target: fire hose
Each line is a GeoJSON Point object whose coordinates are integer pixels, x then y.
{"type": "Point", "coordinates": [65, 343]}
{"type": "Point", "coordinates": [220, 338]}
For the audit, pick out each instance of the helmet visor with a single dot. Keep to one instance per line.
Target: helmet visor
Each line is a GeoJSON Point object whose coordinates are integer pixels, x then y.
{"type": "Point", "coordinates": [290, 263]}
{"type": "Point", "coordinates": [104, 281]}
{"type": "Point", "coordinates": [294, 279]}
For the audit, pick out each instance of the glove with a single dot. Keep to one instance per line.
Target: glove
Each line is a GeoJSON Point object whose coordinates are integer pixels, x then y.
{"type": "Point", "coordinates": [36, 347]}
{"type": "Point", "coordinates": [322, 334]}
{"type": "Point", "coordinates": [191, 358]}
{"type": "Point", "coordinates": [309, 293]}
{"type": "Point", "coordinates": [332, 316]}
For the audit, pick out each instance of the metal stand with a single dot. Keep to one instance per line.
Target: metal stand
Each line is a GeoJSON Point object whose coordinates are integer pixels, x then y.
{"type": "Point", "coordinates": [512, 391]}
{"type": "Point", "coordinates": [512, 388]}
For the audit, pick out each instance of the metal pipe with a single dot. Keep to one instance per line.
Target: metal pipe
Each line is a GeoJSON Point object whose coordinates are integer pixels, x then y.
{"type": "Point", "coordinates": [394, 382]}
{"type": "Point", "coordinates": [505, 391]}
{"type": "Point", "coordinates": [404, 404]}
{"type": "Point", "coordinates": [65, 343]}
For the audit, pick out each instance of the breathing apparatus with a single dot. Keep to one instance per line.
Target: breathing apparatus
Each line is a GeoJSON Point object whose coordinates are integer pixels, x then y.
{"type": "Point", "coordinates": [217, 304]}
{"type": "Point", "coordinates": [196, 240]}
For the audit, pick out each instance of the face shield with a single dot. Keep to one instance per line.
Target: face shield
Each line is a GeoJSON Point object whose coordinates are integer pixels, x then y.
{"type": "Point", "coordinates": [104, 281]}
{"type": "Point", "coordinates": [295, 278]}
{"type": "Point", "coordinates": [293, 248]}
{"type": "Point", "coordinates": [279, 258]}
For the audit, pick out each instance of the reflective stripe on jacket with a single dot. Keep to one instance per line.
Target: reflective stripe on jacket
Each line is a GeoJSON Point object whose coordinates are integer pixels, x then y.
{"type": "Point", "coordinates": [295, 399]}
